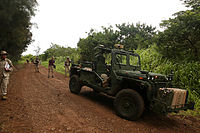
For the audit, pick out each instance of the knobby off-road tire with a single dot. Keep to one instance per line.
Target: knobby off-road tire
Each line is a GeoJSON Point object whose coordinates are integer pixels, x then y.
{"type": "Point", "coordinates": [129, 104]}
{"type": "Point", "coordinates": [74, 84]}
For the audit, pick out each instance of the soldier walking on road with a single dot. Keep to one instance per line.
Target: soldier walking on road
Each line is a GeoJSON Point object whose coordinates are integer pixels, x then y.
{"type": "Point", "coordinates": [67, 65]}
{"type": "Point", "coordinates": [6, 67]}
{"type": "Point", "coordinates": [36, 62]}
{"type": "Point", "coordinates": [51, 67]}
{"type": "Point", "coordinates": [27, 61]}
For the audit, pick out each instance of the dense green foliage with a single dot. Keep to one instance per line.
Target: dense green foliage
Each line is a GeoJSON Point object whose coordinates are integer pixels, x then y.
{"type": "Point", "coordinates": [60, 53]}
{"type": "Point", "coordinates": [15, 25]}
{"type": "Point", "coordinates": [106, 37]}
{"type": "Point", "coordinates": [195, 4]}
{"type": "Point", "coordinates": [186, 74]}
{"type": "Point", "coordinates": [130, 35]}
{"type": "Point", "coordinates": [134, 37]}
{"type": "Point", "coordinates": [181, 37]}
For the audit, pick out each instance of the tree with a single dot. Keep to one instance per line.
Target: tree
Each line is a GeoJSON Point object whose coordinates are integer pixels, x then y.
{"type": "Point", "coordinates": [132, 37]}
{"type": "Point", "coordinates": [106, 37]}
{"type": "Point", "coordinates": [136, 36]}
{"type": "Point", "coordinates": [194, 4]}
{"type": "Point", "coordinates": [15, 25]}
{"type": "Point", "coordinates": [60, 51]}
{"type": "Point", "coordinates": [181, 37]}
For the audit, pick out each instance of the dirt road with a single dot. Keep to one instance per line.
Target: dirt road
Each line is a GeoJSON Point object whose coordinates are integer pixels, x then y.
{"type": "Point", "coordinates": [37, 104]}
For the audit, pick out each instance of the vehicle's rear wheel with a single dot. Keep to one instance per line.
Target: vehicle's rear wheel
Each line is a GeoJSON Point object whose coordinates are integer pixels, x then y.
{"type": "Point", "coordinates": [74, 84]}
{"type": "Point", "coordinates": [129, 104]}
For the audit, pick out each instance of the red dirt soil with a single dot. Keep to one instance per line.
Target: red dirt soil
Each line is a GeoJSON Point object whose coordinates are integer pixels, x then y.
{"type": "Point", "coordinates": [37, 104]}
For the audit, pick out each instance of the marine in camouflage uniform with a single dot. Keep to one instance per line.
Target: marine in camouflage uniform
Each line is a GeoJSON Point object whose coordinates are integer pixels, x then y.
{"type": "Point", "coordinates": [6, 67]}
{"type": "Point", "coordinates": [67, 66]}
{"type": "Point", "coordinates": [51, 67]}
{"type": "Point", "coordinates": [36, 62]}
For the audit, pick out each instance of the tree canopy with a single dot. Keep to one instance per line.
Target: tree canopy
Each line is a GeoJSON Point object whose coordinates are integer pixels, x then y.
{"type": "Point", "coordinates": [130, 35]}
{"type": "Point", "coordinates": [181, 37]}
{"type": "Point", "coordinates": [15, 25]}
{"type": "Point", "coordinates": [60, 52]}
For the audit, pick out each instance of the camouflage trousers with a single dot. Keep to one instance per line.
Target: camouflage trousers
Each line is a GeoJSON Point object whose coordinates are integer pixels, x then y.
{"type": "Point", "coordinates": [67, 68]}
{"type": "Point", "coordinates": [36, 67]}
{"type": "Point", "coordinates": [4, 84]}
{"type": "Point", "coordinates": [50, 71]}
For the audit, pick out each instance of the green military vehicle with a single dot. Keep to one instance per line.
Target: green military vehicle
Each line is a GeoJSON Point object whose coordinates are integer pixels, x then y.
{"type": "Point", "coordinates": [120, 76]}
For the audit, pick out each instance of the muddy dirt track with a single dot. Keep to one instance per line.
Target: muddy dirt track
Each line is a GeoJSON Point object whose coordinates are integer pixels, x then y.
{"type": "Point", "coordinates": [37, 104]}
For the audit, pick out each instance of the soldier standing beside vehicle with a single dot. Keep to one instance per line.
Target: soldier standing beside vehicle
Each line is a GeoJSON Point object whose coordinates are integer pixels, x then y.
{"type": "Point", "coordinates": [6, 67]}
{"type": "Point", "coordinates": [36, 62]}
{"type": "Point", "coordinates": [67, 66]}
{"type": "Point", "coordinates": [51, 67]}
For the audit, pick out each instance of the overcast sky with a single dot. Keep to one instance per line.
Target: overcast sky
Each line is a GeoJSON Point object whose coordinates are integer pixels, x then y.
{"type": "Point", "coordinates": [65, 21]}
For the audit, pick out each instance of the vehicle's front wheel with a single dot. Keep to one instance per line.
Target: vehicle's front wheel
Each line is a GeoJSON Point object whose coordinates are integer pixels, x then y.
{"type": "Point", "coordinates": [74, 84]}
{"type": "Point", "coordinates": [129, 104]}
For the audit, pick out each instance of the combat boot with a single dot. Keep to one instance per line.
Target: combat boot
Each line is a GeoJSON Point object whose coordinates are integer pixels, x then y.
{"type": "Point", "coordinates": [4, 97]}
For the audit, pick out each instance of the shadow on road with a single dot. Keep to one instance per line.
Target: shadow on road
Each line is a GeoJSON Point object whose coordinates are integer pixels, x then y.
{"type": "Point", "coordinates": [148, 117]}
{"type": "Point", "coordinates": [99, 98]}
